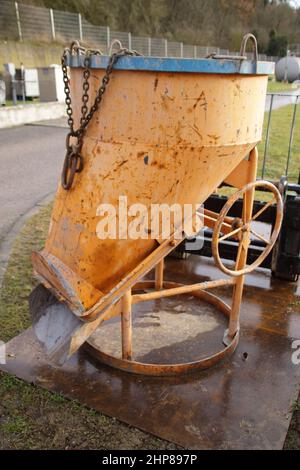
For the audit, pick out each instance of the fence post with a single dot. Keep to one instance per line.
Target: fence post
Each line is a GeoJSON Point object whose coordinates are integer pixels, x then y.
{"type": "Point", "coordinates": [108, 37]}
{"type": "Point", "coordinates": [149, 46]}
{"type": "Point", "coordinates": [291, 136]}
{"type": "Point", "coordinates": [52, 23]}
{"type": "Point", "coordinates": [129, 41]}
{"type": "Point", "coordinates": [181, 49]}
{"type": "Point", "coordinates": [166, 48]}
{"type": "Point", "coordinates": [267, 137]}
{"type": "Point", "coordinates": [80, 26]}
{"type": "Point", "coordinates": [18, 21]}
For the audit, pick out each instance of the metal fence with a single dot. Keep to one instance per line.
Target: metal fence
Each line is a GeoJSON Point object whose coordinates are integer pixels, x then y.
{"type": "Point", "coordinates": [280, 147]}
{"type": "Point", "coordinates": [25, 22]}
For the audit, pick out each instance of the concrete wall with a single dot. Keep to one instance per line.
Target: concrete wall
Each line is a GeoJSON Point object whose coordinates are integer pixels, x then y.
{"type": "Point", "coordinates": [30, 54]}
{"type": "Point", "coordinates": [26, 113]}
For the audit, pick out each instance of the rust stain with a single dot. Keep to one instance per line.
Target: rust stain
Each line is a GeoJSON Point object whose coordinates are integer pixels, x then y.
{"type": "Point", "coordinates": [162, 166]}
{"type": "Point", "coordinates": [201, 101]}
{"type": "Point", "coordinates": [195, 129]}
{"type": "Point", "coordinates": [159, 165]}
{"type": "Point", "coordinates": [214, 137]}
{"type": "Point", "coordinates": [121, 164]}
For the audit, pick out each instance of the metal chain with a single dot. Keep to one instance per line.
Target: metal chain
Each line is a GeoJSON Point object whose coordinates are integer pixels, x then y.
{"type": "Point", "coordinates": [67, 89]}
{"type": "Point", "coordinates": [86, 87]}
{"type": "Point", "coordinates": [73, 160]}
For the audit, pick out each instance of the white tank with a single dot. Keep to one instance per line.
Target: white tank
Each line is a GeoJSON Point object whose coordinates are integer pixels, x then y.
{"type": "Point", "coordinates": [288, 68]}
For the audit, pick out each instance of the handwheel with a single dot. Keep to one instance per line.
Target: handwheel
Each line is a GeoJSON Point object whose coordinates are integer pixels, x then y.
{"type": "Point", "coordinates": [242, 228]}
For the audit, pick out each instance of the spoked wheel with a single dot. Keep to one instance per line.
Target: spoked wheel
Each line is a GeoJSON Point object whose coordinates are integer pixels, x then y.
{"type": "Point", "coordinates": [243, 228]}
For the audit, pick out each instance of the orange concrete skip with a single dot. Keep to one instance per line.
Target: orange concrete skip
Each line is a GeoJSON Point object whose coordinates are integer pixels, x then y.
{"type": "Point", "coordinates": [157, 138]}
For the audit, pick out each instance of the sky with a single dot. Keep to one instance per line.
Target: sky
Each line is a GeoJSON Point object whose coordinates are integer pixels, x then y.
{"type": "Point", "coordinates": [295, 3]}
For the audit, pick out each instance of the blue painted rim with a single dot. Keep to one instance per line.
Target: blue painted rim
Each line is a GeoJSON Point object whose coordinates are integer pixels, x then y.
{"type": "Point", "coordinates": [166, 64]}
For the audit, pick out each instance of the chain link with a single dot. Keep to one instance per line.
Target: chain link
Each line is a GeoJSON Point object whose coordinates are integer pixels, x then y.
{"type": "Point", "coordinates": [73, 160]}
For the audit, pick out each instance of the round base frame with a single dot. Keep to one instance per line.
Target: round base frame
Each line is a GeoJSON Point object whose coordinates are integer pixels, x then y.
{"type": "Point", "coordinates": [172, 369]}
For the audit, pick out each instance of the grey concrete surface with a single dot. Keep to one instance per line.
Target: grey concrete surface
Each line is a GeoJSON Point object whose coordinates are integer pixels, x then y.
{"type": "Point", "coordinates": [31, 158]}
{"type": "Point", "coordinates": [28, 113]}
{"type": "Point", "coordinates": [60, 122]}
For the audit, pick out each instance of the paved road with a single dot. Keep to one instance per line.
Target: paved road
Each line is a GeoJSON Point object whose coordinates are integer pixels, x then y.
{"type": "Point", "coordinates": [30, 163]}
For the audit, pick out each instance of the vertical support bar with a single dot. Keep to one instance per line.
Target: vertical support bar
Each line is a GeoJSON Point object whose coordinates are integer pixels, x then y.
{"type": "Point", "coordinates": [129, 41]}
{"type": "Point", "coordinates": [181, 49]}
{"type": "Point", "coordinates": [14, 91]}
{"type": "Point", "coordinates": [234, 320]}
{"type": "Point", "coordinates": [166, 48]}
{"type": "Point", "coordinates": [149, 46]}
{"type": "Point", "coordinates": [107, 37]}
{"type": "Point", "coordinates": [23, 82]}
{"type": "Point", "coordinates": [267, 137]}
{"type": "Point", "coordinates": [52, 24]}
{"type": "Point", "coordinates": [126, 325]}
{"type": "Point", "coordinates": [195, 52]}
{"type": "Point", "coordinates": [18, 21]}
{"type": "Point", "coordinates": [291, 136]}
{"type": "Point", "coordinates": [159, 275]}
{"type": "Point", "coordinates": [80, 26]}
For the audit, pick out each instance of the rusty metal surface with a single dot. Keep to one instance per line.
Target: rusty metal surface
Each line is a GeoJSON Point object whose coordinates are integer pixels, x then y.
{"type": "Point", "coordinates": [245, 229]}
{"type": "Point", "coordinates": [73, 160]}
{"type": "Point", "coordinates": [243, 403]}
{"type": "Point", "coordinates": [197, 138]}
{"type": "Point", "coordinates": [172, 332]}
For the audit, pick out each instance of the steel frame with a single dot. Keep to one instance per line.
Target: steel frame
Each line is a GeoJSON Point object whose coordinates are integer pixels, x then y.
{"type": "Point", "coordinates": [283, 260]}
{"type": "Point", "coordinates": [166, 288]}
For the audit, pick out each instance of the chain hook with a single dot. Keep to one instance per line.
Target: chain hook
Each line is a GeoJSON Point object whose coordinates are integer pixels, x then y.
{"type": "Point", "coordinates": [73, 162]}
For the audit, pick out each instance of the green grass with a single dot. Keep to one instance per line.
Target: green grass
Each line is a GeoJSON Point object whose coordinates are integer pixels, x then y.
{"type": "Point", "coordinates": [279, 135]}
{"type": "Point", "coordinates": [276, 87]}
{"type": "Point", "coordinates": [281, 120]}
{"type": "Point", "coordinates": [18, 280]}
{"type": "Point", "coordinates": [33, 418]}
